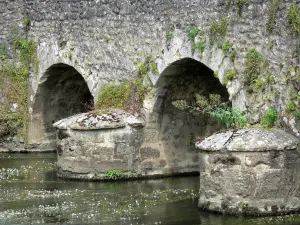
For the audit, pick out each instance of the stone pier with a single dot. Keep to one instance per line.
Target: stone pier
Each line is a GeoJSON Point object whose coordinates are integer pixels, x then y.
{"type": "Point", "coordinates": [250, 171]}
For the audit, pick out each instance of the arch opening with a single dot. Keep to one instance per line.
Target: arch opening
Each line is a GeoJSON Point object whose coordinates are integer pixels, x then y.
{"type": "Point", "coordinates": [62, 93]}
{"type": "Point", "coordinates": [180, 129]}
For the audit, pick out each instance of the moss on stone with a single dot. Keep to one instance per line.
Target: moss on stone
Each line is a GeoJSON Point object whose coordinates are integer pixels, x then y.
{"type": "Point", "coordinates": [293, 19]}
{"type": "Point", "coordinates": [14, 86]}
{"type": "Point", "coordinates": [218, 30]}
{"type": "Point", "coordinates": [253, 65]}
{"type": "Point", "coordinates": [229, 75]}
{"type": "Point", "coordinates": [241, 4]}
{"type": "Point", "coordinates": [272, 15]}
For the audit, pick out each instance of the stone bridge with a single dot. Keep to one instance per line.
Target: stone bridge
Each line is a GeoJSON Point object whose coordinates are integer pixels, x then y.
{"type": "Point", "coordinates": [194, 45]}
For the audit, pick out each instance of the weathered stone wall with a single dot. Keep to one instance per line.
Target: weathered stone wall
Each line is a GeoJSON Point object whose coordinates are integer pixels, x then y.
{"type": "Point", "coordinates": [105, 40]}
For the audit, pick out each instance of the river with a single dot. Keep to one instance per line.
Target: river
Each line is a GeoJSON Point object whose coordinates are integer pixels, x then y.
{"type": "Point", "coordinates": [30, 193]}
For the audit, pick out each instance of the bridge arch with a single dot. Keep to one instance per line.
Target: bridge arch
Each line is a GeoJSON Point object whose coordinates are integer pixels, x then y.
{"type": "Point", "coordinates": [62, 92]}
{"type": "Point", "coordinates": [179, 129]}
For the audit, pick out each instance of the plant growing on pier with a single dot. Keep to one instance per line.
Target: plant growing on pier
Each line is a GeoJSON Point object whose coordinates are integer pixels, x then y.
{"type": "Point", "coordinates": [14, 85]}
{"type": "Point", "coordinates": [226, 47]}
{"type": "Point", "coordinates": [113, 95]}
{"type": "Point", "coordinates": [127, 95]}
{"type": "Point", "coordinates": [293, 19]}
{"type": "Point", "coordinates": [291, 106]}
{"type": "Point", "coordinates": [270, 118]}
{"type": "Point", "coordinates": [218, 30]}
{"type": "Point", "coordinates": [113, 174]}
{"type": "Point", "coordinates": [253, 65]}
{"type": "Point", "coordinates": [240, 4]}
{"type": "Point", "coordinates": [169, 35]}
{"type": "Point", "coordinates": [230, 117]}
{"type": "Point", "coordinates": [273, 10]}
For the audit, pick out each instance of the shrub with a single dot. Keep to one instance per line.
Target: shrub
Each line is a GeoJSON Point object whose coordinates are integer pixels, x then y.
{"type": "Point", "coordinates": [253, 65]}
{"type": "Point", "coordinates": [270, 117]}
{"type": "Point", "coordinates": [240, 5]}
{"type": "Point", "coordinates": [200, 45]}
{"type": "Point", "coordinates": [293, 19]}
{"type": "Point", "coordinates": [229, 76]}
{"type": "Point", "coordinates": [128, 96]}
{"type": "Point", "coordinates": [181, 104]}
{"type": "Point", "coordinates": [298, 114]}
{"type": "Point", "coordinates": [218, 30]}
{"type": "Point", "coordinates": [113, 95]}
{"type": "Point", "coordinates": [142, 70]}
{"type": "Point", "coordinates": [273, 10]}
{"type": "Point", "coordinates": [113, 174]}
{"type": "Point", "coordinates": [226, 46]}
{"type": "Point", "coordinates": [231, 118]}
{"type": "Point", "coordinates": [169, 36]}
{"type": "Point", "coordinates": [291, 106]}
{"type": "Point", "coordinates": [232, 55]}
{"type": "Point", "coordinates": [193, 33]}
{"type": "Point", "coordinates": [259, 83]}
{"type": "Point", "coordinates": [16, 92]}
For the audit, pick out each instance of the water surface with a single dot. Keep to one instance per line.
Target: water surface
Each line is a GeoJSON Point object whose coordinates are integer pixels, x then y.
{"type": "Point", "coordinates": [32, 194]}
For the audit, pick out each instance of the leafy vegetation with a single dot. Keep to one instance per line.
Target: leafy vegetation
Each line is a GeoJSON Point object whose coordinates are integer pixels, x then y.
{"type": "Point", "coordinates": [226, 47]}
{"type": "Point", "coordinates": [240, 4]}
{"type": "Point", "coordinates": [218, 30]}
{"type": "Point", "coordinates": [230, 117]}
{"type": "Point", "coordinates": [291, 106]}
{"type": "Point", "coordinates": [26, 21]}
{"type": "Point", "coordinates": [2, 52]}
{"type": "Point", "coordinates": [259, 83]}
{"type": "Point", "coordinates": [253, 65]}
{"type": "Point", "coordinates": [193, 33]}
{"type": "Point", "coordinates": [213, 106]}
{"type": "Point", "coordinates": [127, 95]}
{"type": "Point", "coordinates": [27, 50]}
{"type": "Point", "coordinates": [270, 118]}
{"type": "Point", "coordinates": [293, 19]}
{"type": "Point", "coordinates": [14, 85]}
{"type": "Point", "coordinates": [148, 65]}
{"type": "Point", "coordinates": [113, 95]}
{"type": "Point", "coordinates": [113, 174]}
{"type": "Point", "coordinates": [200, 46]}
{"type": "Point", "coordinates": [272, 15]}
{"type": "Point", "coordinates": [229, 76]}
{"type": "Point", "coordinates": [169, 36]}
{"type": "Point", "coordinates": [297, 115]}
{"type": "Point", "coordinates": [232, 55]}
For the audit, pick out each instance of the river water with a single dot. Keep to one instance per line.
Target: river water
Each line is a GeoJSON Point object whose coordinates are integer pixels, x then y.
{"type": "Point", "coordinates": [30, 193]}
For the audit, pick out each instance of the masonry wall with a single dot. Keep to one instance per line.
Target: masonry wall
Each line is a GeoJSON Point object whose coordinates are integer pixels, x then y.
{"type": "Point", "coordinates": [105, 40]}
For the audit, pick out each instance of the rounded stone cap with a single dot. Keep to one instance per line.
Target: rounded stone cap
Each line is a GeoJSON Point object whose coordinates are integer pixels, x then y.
{"type": "Point", "coordinates": [249, 139]}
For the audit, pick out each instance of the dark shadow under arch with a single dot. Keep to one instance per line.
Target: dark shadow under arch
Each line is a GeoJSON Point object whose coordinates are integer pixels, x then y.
{"type": "Point", "coordinates": [62, 93]}
{"type": "Point", "coordinates": [180, 129]}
